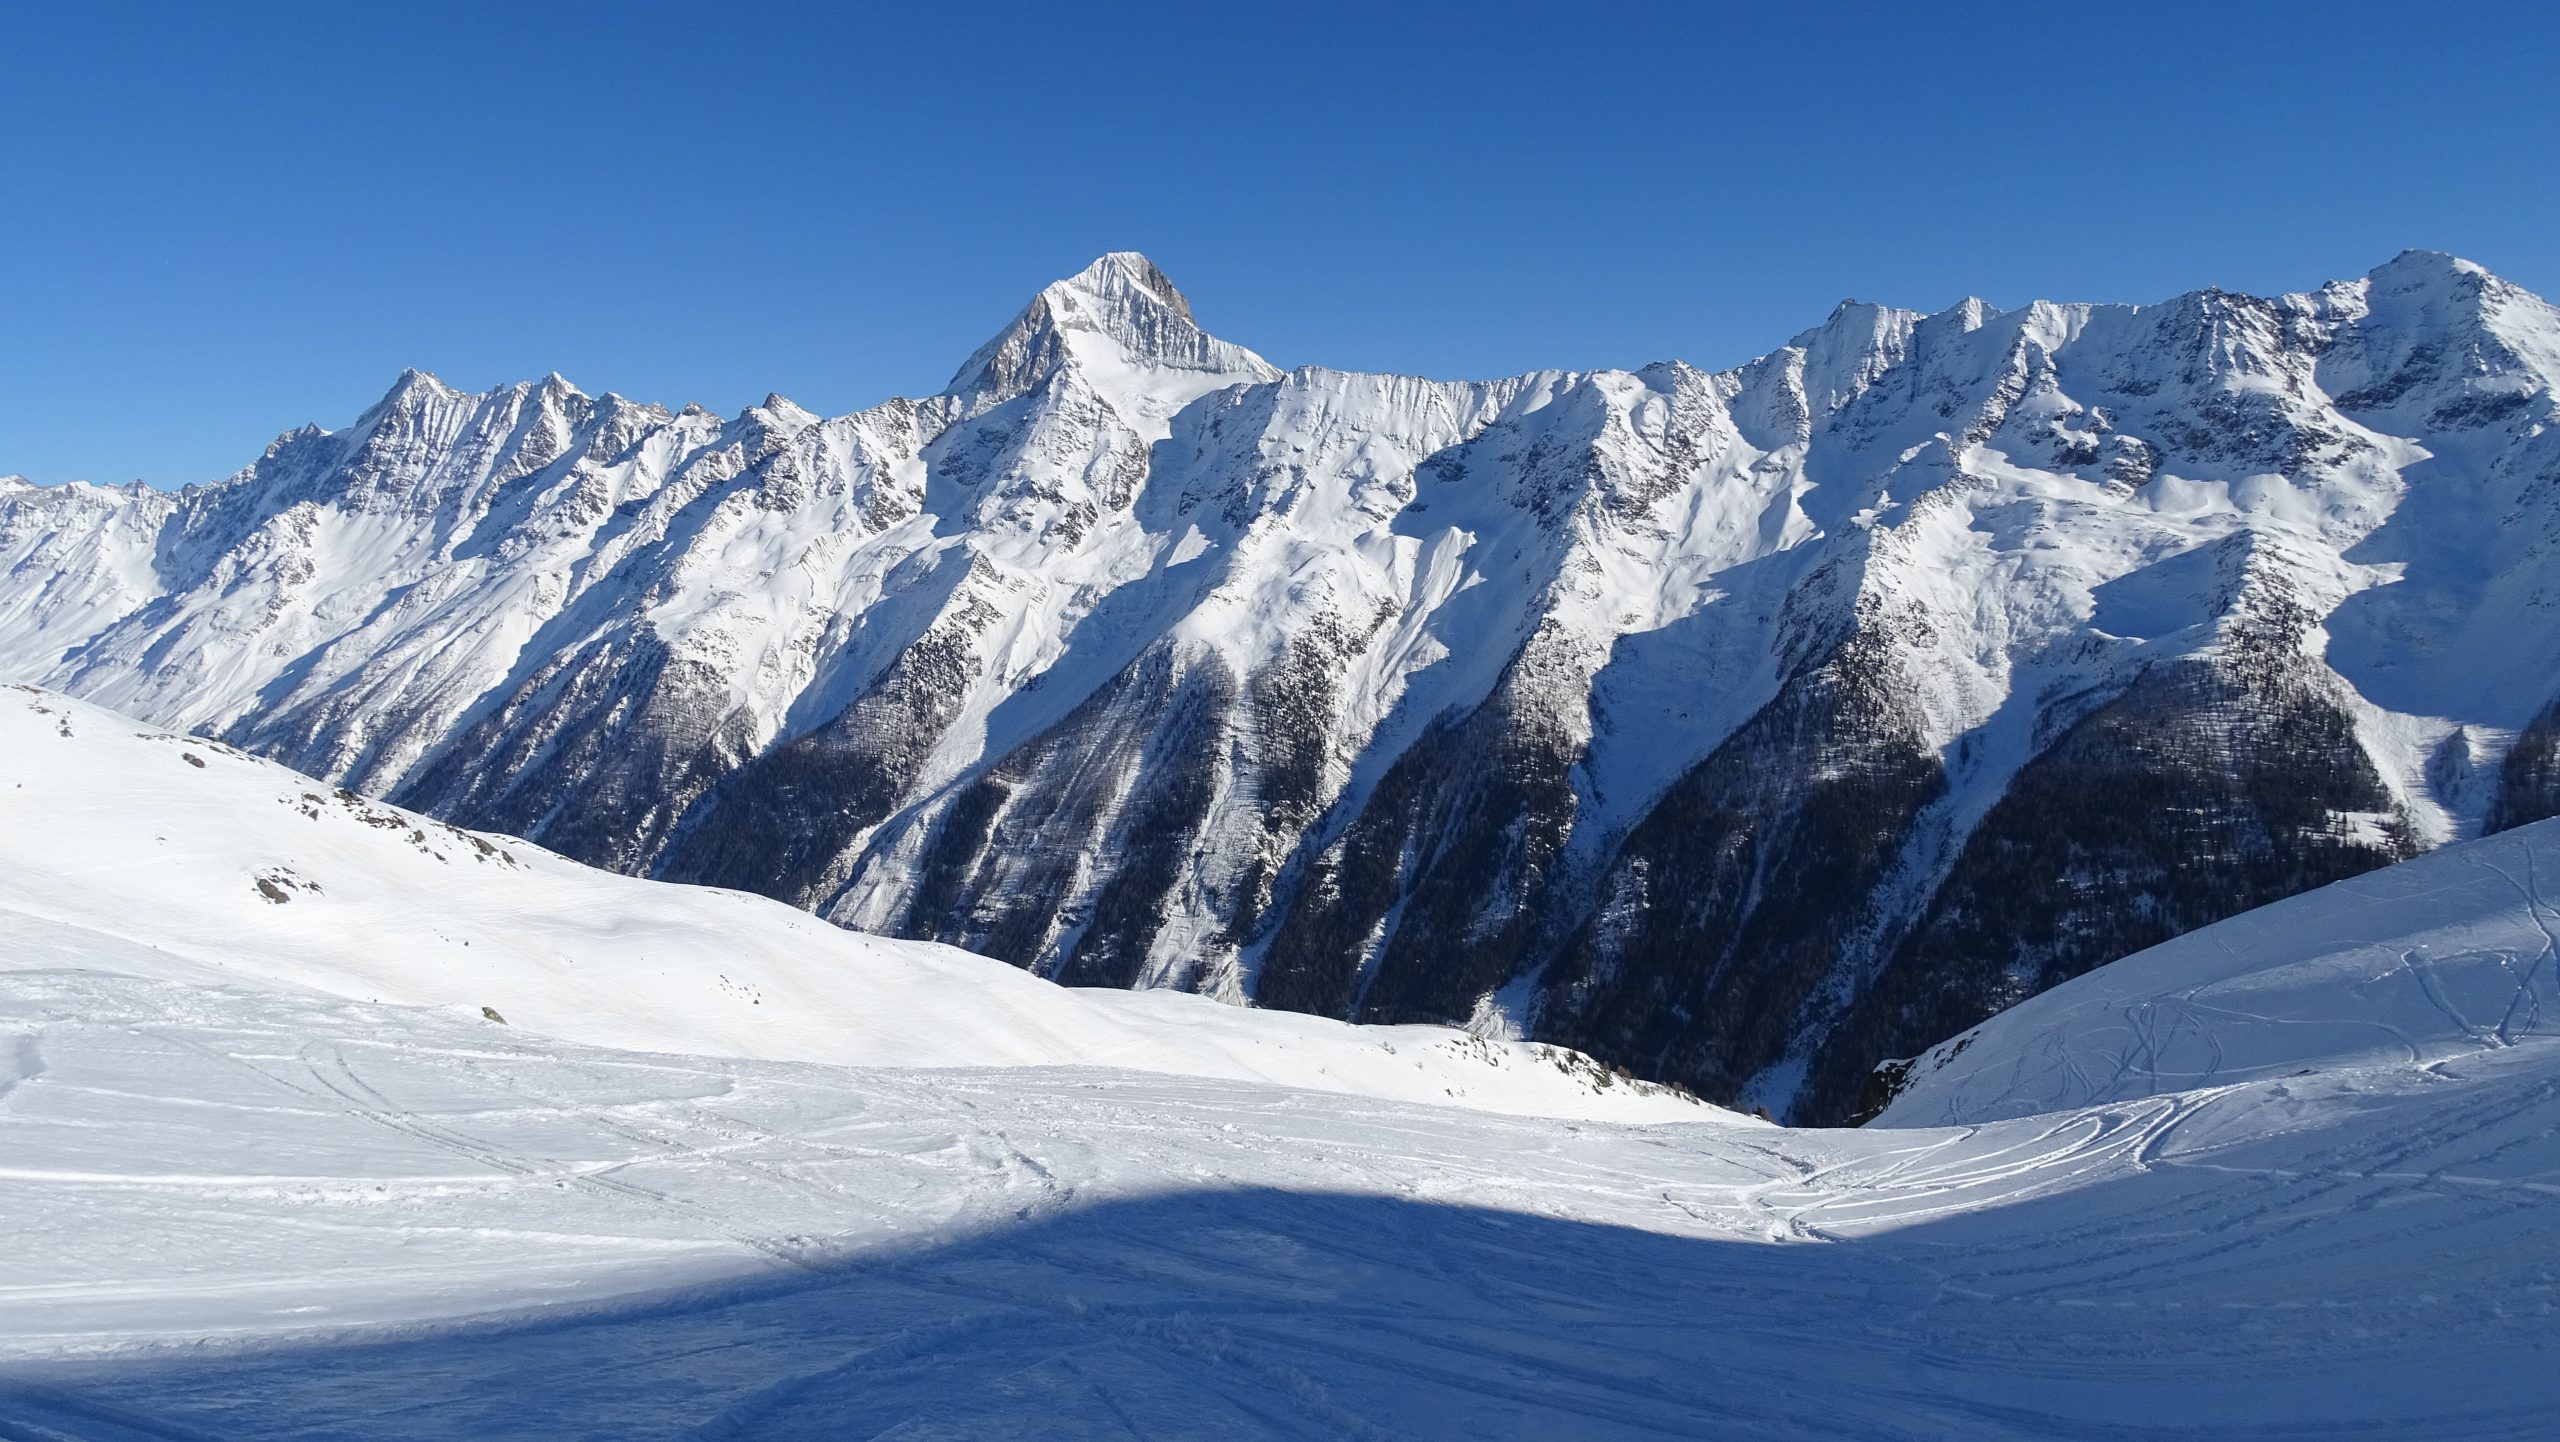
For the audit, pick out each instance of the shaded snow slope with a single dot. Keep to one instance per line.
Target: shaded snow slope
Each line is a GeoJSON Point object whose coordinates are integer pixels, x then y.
{"type": "Point", "coordinates": [1737, 727]}
{"type": "Point", "coordinates": [199, 862]}
{"type": "Point", "coordinates": [2406, 970]}
{"type": "Point", "coordinates": [246, 1212]}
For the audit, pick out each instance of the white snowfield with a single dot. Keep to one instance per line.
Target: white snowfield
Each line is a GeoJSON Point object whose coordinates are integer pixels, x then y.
{"type": "Point", "coordinates": [217, 865]}
{"type": "Point", "coordinates": [244, 1200]}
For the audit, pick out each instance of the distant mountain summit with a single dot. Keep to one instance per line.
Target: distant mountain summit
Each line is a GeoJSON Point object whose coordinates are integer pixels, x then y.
{"type": "Point", "coordinates": [1116, 314]}
{"type": "Point", "coordinates": [1740, 728]}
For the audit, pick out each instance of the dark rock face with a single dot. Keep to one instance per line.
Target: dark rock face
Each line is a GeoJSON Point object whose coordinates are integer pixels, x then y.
{"type": "Point", "coordinates": [2206, 789]}
{"type": "Point", "coordinates": [1436, 893]}
{"type": "Point", "coordinates": [2529, 778]}
{"type": "Point", "coordinates": [596, 757]}
{"type": "Point", "coordinates": [1120, 787]}
{"type": "Point", "coordinates": [781, 823]}
{"type": "Point", "coordinates": [1288, 708]}
{"type": "Point", "coordinates": [1726, 908]}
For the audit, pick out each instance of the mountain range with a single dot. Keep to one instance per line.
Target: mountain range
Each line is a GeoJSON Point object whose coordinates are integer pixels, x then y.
{"type": "Point", "coordinates": [1743, 729]}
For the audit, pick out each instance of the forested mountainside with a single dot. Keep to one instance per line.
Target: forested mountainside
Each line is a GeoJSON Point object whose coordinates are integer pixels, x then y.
{"type": "Point", "coordinates": [1740, 728]}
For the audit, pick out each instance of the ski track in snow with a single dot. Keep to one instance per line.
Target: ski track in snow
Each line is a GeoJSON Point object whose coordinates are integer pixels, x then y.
{"type": "Point", "coordinates": [247, 1214]}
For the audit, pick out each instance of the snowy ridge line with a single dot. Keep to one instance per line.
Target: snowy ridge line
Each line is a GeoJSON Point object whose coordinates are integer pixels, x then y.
{"type": "Point", "coordinates": [1134, 661]}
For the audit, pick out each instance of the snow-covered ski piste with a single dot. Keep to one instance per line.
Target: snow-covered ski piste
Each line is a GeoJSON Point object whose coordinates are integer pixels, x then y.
{"type": "Point", "coordinates": [704, 1167]}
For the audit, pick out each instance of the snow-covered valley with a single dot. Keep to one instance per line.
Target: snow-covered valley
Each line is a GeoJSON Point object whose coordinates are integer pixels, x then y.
{"type": "Point", "coordinates": [269, 1172]}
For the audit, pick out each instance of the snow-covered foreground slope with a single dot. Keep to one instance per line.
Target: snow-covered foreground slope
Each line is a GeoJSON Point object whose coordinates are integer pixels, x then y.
{"type": "Point", "coordinates": [239, 1208]}
{"type": "Point", "coordinates": [241, 1213]}
{"type": "Point", "coordinates": [2421, 966]}
{"type": "Point", "coordinates": [214, 864]}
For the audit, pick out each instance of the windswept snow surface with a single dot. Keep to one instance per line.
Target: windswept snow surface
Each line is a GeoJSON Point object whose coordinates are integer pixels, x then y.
{"type": "Point", "coordinates": [243, 1214]}
{"type": "Point", "coordinates": [241, 1208]}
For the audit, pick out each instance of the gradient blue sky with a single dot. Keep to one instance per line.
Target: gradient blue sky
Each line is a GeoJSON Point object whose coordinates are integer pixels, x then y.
{"type": "Point", "coordinates": [220, 221]}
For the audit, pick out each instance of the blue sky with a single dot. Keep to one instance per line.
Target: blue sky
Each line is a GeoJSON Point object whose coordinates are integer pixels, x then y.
{"type": "Point", "coordinates": [223, 221]}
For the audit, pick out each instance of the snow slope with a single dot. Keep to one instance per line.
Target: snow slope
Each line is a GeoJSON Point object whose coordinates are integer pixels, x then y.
{"type": "Point", "coordinates": [243, 1210]}
{"type": "Point", "coordinates": [198, 862]}
{"type": "Point", "coordinates": [2397, 974]}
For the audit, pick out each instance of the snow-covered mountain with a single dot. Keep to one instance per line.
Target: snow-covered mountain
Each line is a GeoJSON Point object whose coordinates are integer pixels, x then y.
{"type": "Point", "coordinates": [2297, 1179]}
{"type": "Point", "coordinates": [1740, 728]}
